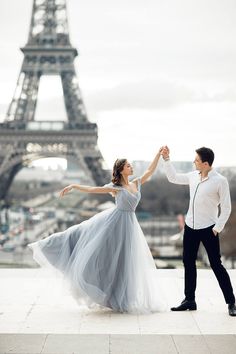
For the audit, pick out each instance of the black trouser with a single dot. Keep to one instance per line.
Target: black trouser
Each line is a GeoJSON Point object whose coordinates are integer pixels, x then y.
{"type": "Point", "coordinates": [192, 239]}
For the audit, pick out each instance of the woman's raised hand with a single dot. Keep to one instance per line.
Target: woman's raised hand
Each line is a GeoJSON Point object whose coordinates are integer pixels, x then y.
{"type": "Point", "coordinates": [165, 151]}
{"type": "Point", "coordinates": [66, 190]}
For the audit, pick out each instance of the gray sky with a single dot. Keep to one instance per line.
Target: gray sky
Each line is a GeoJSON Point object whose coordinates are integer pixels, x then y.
{"type": "Point", "coordinates": [151, 72]}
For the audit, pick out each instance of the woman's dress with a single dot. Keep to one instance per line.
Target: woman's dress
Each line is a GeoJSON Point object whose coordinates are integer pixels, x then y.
{"type": "Point", "coordinates": [106, 259]}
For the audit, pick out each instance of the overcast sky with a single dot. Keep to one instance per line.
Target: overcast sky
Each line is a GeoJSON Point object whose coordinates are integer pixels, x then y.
{"type": "Point", "coordinates": [151, 72]}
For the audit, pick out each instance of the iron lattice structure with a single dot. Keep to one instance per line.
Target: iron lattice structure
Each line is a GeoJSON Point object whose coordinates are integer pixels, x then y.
{"type": "Point", "coordinates": [22, 139]}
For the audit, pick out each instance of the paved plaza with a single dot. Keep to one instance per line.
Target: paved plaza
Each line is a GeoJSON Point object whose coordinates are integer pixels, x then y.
{"type": "Point", "coordinates": [38, 316]}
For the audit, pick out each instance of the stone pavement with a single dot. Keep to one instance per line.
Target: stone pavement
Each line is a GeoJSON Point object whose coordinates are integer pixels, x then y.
{"type": "Point", "coordinates": [38, 316]}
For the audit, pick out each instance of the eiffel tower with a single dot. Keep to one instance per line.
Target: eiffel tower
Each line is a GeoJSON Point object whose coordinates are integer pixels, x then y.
{"type": "Point", "coordinates": [22, 138]}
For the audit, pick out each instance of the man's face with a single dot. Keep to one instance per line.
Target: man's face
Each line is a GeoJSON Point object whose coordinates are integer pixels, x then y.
{"type": "Point", "coordinates": [198, 163]}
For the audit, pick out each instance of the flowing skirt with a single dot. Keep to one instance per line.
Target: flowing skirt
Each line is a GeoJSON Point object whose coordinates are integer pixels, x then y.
{"type": "Point", "coordinates": [106, 261]}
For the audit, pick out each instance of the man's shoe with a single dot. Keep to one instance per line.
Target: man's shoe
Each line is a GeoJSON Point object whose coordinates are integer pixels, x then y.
{"type": "Point", "coordinates": [232, 309]}
{"type": "Point", "coordinates": [186, 305]}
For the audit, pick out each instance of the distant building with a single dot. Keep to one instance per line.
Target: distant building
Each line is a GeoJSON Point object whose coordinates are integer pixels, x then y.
{"type": "Point", "coordinates": [228, 172]}
{"type": "Point", "coordinates": [181, 167]}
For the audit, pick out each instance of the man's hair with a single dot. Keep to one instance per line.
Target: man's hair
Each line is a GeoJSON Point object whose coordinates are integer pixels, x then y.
{"type": "Point", "coordinates": [206, 154]}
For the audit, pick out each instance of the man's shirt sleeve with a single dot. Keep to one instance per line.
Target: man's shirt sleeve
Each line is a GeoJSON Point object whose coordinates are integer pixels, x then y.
{"type": "Point", "coordinates": [225, 205]}
{"type": "Point", "coordinates": [173, 176]}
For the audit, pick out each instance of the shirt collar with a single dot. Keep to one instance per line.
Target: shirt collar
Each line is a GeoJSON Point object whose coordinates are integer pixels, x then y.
{"type": "Point", "coordinates": [211, 173]}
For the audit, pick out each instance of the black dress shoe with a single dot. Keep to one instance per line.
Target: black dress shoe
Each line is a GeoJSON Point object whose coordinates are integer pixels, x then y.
{"type": "Point", "coordinates": [232, 309]}
{"type": "Point", "coordinates": [185, 305]}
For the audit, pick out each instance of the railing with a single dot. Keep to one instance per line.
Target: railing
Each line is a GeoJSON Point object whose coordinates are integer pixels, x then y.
{"type": "Point", "coordinates": [48, 125]}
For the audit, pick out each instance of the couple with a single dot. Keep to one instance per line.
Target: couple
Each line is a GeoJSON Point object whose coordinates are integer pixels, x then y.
{"type": "Point", "coordinates": [106, 258]}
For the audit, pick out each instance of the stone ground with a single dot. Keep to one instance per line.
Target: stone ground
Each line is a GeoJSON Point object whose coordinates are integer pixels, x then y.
{"type": "Point", "coordinates": [38, 316]}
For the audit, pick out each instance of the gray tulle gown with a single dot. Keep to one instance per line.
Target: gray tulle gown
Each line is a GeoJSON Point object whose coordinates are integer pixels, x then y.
{"type": "Point", "coordinates": [106, 258]}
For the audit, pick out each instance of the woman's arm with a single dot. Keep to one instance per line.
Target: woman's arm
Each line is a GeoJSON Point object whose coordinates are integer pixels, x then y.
{"type": "Point", "coordinates": [151, 169]}
{"type": "Point", "coordinates": [87, 189]}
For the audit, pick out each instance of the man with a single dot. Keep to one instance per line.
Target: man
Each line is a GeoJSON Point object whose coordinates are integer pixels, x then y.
{"type": "Point", "coordinates": [208, 190]}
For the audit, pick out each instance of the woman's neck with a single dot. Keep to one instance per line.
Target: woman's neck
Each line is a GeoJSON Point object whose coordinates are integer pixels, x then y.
{"type": "Point", "coordinates": [125, 180]}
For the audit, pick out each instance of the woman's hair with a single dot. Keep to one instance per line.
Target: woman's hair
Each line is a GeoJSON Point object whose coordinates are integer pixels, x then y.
{"type": "Point", "coordinates": [117, 169]}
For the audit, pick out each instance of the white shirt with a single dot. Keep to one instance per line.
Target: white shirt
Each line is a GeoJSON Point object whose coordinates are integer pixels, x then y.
{"type": "Point", "coordinates": [205, 197]}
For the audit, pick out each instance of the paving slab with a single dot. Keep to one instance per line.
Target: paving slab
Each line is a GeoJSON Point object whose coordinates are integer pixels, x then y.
{"type": "Point", "coordinates": [142, 344]}
{"type": "Point", "coordinates": [191, 344]}
{"type": "Point", "coordinates": [77, 344]}
{"type": "Point", "coordinates": [221, 344]}
{"type": "Point", "coordinates": [21, 343]}
{"type": "Point", "coordinates": [116, 344]}
{"type": "Point", "coordinates": [39, 316]}
{"type": "Point", "coordinates": [33, 301]}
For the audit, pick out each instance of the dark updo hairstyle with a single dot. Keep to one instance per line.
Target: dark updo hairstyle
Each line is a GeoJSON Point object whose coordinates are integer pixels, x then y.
{"type": "Point", "coordinates": [117, 169]}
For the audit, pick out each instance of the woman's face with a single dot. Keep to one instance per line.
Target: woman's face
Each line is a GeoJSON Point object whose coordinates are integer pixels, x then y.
{"type": "Point", "coordinates": [127, 169]}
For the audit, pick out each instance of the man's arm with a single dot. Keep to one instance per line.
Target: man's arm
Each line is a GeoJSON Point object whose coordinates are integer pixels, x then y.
{"type": "Point", "coordinates": [171, 174]}
{"type": "Point", "coordinates": [225, 206]}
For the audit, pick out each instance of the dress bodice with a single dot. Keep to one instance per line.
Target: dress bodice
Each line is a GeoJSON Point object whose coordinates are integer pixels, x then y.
{"type": "Point", "coordinates": [126, 200]}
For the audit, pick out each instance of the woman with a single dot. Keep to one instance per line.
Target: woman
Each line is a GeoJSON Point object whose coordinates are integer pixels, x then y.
{"type": "Point", "coordinates": [106, 259]}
